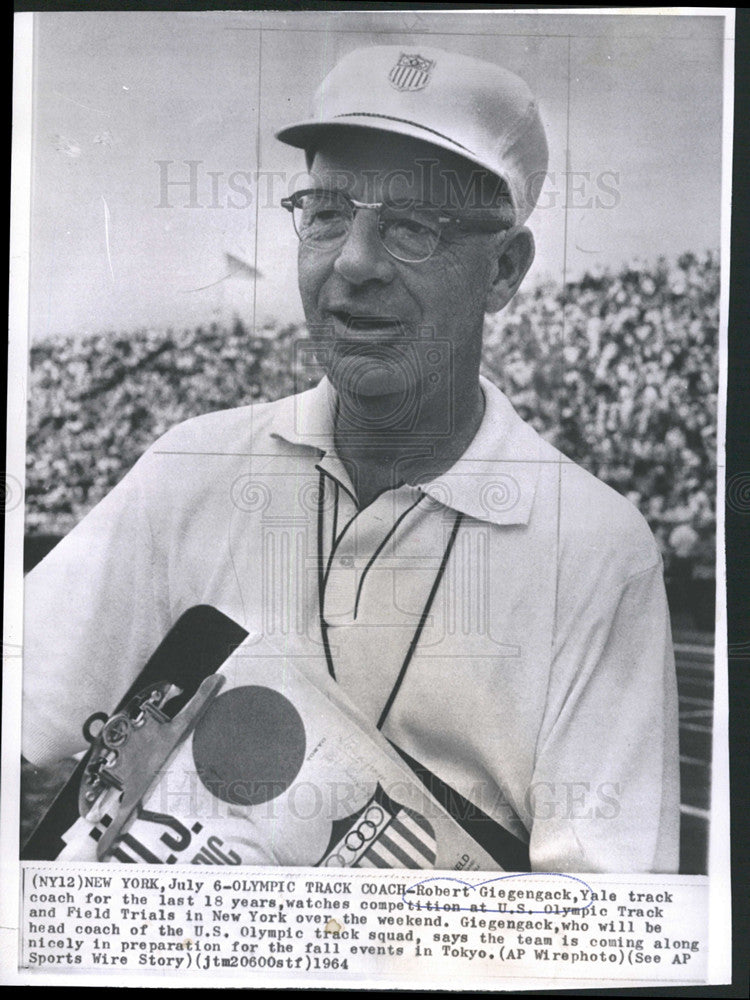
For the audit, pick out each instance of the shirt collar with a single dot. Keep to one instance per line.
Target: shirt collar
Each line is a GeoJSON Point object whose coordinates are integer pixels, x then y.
{"type": "Point", "coordinates": [308, 417]}
{"type": "Point", "coordinates": [495, 479]}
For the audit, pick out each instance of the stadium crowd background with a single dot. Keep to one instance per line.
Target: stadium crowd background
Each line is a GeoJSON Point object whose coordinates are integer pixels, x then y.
{"type": "Point", "coordinates": [617, 369]}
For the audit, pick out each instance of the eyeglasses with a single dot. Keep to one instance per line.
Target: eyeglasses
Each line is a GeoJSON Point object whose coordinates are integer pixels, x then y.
{"type": "Point", "coordinates": [410, 232]}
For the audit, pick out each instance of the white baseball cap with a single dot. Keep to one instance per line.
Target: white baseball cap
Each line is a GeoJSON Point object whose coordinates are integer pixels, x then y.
{"type": "Point", "coordinates": [475, 109]}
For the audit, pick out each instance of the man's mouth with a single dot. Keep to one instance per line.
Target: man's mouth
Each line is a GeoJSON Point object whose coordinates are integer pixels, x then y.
{"type": "Point", "coordinates": [359, 326]}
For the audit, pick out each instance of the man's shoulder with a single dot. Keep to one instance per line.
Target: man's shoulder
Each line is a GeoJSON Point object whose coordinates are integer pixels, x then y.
{"type": "Point", "coordinates": [589, 516]}
{"type": "Point", "coordinates": [601, 534]}
{"type": "Point", "coordinates": [238, 430]}
{"type": "Point", "coordinates": [188, 477]}
{"type": "Point", "coordinates": [594, 523]}
{"type": "Point", "coordinates": [599, 521]}
{"type": "Point", "coordinates": [565, 505]}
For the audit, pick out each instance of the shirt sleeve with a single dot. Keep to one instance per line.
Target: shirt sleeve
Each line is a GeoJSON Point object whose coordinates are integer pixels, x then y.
{"type": "Point", "coordinates": [605, 792]}
{"type": "Point", "coordinates": [92, 617]}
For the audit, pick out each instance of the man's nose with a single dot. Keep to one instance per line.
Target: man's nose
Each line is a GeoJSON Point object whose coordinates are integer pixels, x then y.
{"type": "Point", "coordinates": [363, 257]}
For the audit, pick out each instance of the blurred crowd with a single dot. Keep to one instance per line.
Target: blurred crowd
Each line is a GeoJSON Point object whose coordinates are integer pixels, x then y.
{"type": "Point", "coordinates": [620, 372]}
{"type": "Point", "coordinates": [618, 369]}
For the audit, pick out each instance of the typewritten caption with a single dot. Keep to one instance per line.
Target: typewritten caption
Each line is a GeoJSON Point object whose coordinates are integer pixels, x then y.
{"type": "Point", "coordinates": [345, 926]}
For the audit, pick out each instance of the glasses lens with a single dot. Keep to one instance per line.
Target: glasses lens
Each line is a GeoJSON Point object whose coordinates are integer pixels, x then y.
{"type": "Point", "coordinates": [410, 234]}
{"type": "Point", "coordinates": [322, 218]}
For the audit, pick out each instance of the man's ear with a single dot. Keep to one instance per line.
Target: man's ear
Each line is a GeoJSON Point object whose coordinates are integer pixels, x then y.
{"type": "Point", "coordinates": [515, 254]}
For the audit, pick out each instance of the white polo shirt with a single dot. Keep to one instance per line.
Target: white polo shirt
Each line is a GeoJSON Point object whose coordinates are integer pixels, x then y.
{"type": "Point", "coordinates": [504, 624]}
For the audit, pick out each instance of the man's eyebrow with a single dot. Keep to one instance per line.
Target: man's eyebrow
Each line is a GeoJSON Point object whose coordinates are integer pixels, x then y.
{"type": "Point", "coordinates": [412, 203]}
{"type": "Point", "coordinates": [321, 189]}
{"type": "Point", "coordinates": [392, 203]}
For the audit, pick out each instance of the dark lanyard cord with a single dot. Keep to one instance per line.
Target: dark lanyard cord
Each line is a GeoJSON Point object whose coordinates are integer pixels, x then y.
{"type": "Point", "coordinates": [422, 621]}
{"type": "Point", "coordinates": [373, 558]}
{"type": "Point", "coordinates": [322, 574]}
{"type": "Point", "coordinates": [323, 579]}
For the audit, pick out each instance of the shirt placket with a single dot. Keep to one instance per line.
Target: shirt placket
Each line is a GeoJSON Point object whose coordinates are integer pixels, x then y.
{"type": "Point", "coordinates": [359, 610]}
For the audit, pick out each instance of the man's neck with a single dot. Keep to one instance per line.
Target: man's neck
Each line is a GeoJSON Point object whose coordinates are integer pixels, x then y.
{"type": "Point", "coordinates": [381, 452]}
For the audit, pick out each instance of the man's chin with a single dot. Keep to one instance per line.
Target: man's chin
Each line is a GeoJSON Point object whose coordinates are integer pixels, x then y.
{"type": "Point", "coordinates": [374, 372]}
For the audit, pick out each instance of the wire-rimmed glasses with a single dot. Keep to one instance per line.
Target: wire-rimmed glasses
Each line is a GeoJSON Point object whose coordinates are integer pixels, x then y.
{"type": "Point", "coordinates": [410, 231]}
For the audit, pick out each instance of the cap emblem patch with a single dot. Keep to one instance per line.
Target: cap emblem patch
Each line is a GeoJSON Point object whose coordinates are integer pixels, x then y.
{"type": "Point", "coordinates": [411, 72]}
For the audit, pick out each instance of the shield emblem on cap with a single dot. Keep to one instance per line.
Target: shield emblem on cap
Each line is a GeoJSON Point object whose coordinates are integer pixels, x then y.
{"type": "Point", "coordinates": [411, 72]}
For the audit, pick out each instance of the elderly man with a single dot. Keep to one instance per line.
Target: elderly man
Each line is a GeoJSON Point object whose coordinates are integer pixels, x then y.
{"type": "Point", "coordinates": [495, 611]}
